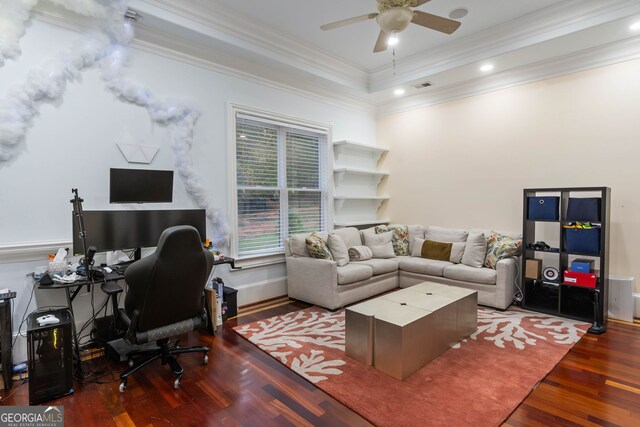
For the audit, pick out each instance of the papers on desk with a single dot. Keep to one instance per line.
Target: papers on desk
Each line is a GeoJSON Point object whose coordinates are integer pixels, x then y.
{"type": "Point", "coordinates": [69, 278]}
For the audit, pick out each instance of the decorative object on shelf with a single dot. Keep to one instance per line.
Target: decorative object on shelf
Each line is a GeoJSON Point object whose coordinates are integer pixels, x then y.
{"type": "Point", "coordinates": [550, 273]}
{"type": "Point", "coordinates": [538, 246]}
{"type": "Point", "coordinates": [581, 265]}
{"type": "Point", "coordinates": [543, 208]}
{"type": "Point", "coordinates": [533, 269]}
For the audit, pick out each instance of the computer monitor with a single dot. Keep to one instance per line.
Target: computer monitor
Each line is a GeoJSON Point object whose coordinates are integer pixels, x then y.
{"type": "Point", "coordinates": [140, 186]}
{"type": "Point", "coordinates": [132, 229]}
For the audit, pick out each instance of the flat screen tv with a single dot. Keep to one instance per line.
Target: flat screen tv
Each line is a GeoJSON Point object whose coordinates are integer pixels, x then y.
{"type": "Point", "coordinates": [113, 230]}
{"type": "Point", "coordinates": [140, 186]}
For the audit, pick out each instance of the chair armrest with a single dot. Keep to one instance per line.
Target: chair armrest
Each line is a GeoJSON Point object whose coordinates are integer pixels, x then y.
{"type": "Point", "coordinates": [507, 272]}
{"type": "Point", "coordinates": [313, 280]}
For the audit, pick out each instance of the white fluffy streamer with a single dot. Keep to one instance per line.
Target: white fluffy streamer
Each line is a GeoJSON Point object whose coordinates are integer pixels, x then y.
{"type": "Point", "coordinates": [48, 84]}
{"type": "Point", "coordinates": [13, 17]}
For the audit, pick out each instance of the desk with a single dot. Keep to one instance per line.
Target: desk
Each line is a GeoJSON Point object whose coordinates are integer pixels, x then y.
{"type": "Point", "coordinates": [6, 342]}
{"type": "Point", "coordinates": [71, 291]}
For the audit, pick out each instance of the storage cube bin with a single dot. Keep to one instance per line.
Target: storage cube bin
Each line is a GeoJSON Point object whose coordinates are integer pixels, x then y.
{"type": "Point", "coordinates": [543, 208]}
{"type": "Point", "coordinates": [582, 240]}
{"type": "Point", "coordinates": [584, 209]}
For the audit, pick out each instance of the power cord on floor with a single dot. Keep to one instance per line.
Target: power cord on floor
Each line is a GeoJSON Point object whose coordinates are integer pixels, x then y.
{"type": "Point", "coordinates": [519, 295]}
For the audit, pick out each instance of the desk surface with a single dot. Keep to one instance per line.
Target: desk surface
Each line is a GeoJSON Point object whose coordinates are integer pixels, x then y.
{"type": "Point", "coordinates": [109, 277]}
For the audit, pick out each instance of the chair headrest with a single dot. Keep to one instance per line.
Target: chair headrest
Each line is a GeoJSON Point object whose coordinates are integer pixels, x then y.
{"type": "Point", "coordinates": [179, 238]}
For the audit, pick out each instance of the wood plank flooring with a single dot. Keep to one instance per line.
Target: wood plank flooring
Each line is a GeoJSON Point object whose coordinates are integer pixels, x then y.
{"type": "Point", "coordinates": [596, 384]}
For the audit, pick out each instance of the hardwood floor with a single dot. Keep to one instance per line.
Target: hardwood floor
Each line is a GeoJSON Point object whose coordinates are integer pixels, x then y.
{"type": "Point", "coordinates": [596, 384]}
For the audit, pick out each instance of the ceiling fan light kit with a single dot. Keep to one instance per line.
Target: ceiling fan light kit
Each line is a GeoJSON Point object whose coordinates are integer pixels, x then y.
{"type": "Point", "coordinates": [394, 16]}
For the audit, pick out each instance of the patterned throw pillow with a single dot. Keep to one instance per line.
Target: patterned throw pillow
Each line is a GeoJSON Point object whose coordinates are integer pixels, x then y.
{"type": "Point", "coordinates": [400, 239]}
{"type": "Point", "coordinates": [499, 247]}
{"type": "Point", "coordinates": [317, 247]}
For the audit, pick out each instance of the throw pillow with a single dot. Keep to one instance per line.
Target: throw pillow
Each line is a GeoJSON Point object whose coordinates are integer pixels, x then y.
{"type": "Point", "coordinates": [500, 246]}
{"type": "Point", "coordinates": [317, 247]}
{"type": "Point", "coordinates": [475, 251]}
{"type": "Point", "coordinates": [338, 249]}
{"type": "Point", "coordinates": [436, 250]}
{"type": "Point", "coordinates": [457, 250]}
{"type": "Point", "coordinates": [380, 244]}
{"type": "Point", "coordinates": [400, 240]}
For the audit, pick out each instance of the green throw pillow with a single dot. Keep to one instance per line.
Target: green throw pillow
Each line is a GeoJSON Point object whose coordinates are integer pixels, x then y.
{"type": "Point", "coordinates": [400, 239]}
{"type": "Point", "coordinates": [499, 247]}
{"type": "Point", "coordinates": [436, 250]}
{"type": "Point", "coordinates": [317, 247]}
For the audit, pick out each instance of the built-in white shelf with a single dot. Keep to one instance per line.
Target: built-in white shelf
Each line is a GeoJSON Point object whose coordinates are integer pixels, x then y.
{"type": "Point", "coordinates": [357, 223]}
{"type": "Point", "coordinates": [356, 178]}
{"type": "Point", "coordinates": [340, 200]}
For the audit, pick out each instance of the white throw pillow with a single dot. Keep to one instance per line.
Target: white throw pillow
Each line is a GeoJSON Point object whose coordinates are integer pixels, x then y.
{"type": "Point", "coordinates": [475, 250]}
{"type": "Point", "coordinates": [338, 249]}
{"type": "Point", "coordinates": [380, 244]}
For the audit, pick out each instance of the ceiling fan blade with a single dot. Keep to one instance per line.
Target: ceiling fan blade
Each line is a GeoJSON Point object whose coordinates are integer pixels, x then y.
{"type": "Point", "coordinates": [344, 22]}
{"type": "Point", "coordinates": [381, 43]}
{"type": "Point", "coordinates": [434, 22]}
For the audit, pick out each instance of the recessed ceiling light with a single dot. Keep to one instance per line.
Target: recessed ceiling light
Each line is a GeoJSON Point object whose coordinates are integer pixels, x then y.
{"type": "Point", "coordinates": [486, 68]}
{"type": "Point", "coordinates": [459, 13]}
{"type": "Point", "coordinates": [398, 92]}
{"type": "Point", "coordinates": [393, 39]}
{"type": "Point", "coordinates": [635, 26]}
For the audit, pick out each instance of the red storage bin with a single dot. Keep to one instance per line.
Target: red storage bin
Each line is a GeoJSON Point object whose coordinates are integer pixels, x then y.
{"type": "Point", "coordinates": [588, 280]}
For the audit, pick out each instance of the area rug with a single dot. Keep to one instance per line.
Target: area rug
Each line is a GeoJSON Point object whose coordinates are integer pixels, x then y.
{"type": "Point", "coordinates": [478, 382]}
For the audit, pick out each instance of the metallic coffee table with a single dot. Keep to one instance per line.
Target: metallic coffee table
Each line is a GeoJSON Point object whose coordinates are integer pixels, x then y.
{"type": "Point", "coordinates": [400, 332]}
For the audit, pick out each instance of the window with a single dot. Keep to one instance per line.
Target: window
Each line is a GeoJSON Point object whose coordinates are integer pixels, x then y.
{"type": "Point", "coordinates": [281, 182]}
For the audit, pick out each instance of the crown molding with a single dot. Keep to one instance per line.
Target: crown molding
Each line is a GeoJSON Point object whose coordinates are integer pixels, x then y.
{"type": "Point", "coordinates": [538, 27]}
{"type": "Point", "coordinates": [261, 39]}
{"type": "Point", "coordinates": [600, 56]}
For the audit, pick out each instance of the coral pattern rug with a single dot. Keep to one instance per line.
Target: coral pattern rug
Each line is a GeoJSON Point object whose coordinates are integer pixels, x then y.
{"type": "Point", "coordinates": [478, 382]}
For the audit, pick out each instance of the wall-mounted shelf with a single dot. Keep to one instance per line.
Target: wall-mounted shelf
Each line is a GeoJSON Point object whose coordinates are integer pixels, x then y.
{"type": "Point", "coordinates": [356, 178]}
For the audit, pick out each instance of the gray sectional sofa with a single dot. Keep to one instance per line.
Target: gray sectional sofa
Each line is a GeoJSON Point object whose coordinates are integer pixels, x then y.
{"type": "Point", "coordinates": [322, 282]}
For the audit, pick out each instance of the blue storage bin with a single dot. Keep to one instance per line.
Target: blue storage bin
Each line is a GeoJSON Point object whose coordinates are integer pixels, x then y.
{"type": "Point", "coordinates": [543, 208]}
{"type": "Point", "coordinates": [584, 209]}
{"type": "Point", "coordinates": [582, 265]}
{"type": "Point", "coordinates": [582, 240]}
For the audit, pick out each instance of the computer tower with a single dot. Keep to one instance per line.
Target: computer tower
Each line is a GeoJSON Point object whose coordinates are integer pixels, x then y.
{"type": "Point", "coordinates": [50, 357]}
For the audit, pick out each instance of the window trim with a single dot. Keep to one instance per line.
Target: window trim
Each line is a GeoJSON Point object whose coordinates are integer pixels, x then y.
{"type": "Point", "coordinates": [295, 122]}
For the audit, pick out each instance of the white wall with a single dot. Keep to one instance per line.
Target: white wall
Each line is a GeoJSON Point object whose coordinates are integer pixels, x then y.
{"type": "Point", "coordinates": [72, 145]}
{"type": "Point", "coordinates": [464, 163]}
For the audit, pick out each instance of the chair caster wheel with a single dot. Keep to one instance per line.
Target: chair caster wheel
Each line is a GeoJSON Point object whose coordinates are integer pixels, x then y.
{"type": "Point", "coordinates": [123, 386]}
{"type": "Point", "coordinates": [176, 383]}
{"type": "Point", "coordinates": [206, 359]}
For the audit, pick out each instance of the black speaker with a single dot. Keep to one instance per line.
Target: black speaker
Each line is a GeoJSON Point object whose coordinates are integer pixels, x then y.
{"type": "Point", "coordinates": [50, 357]}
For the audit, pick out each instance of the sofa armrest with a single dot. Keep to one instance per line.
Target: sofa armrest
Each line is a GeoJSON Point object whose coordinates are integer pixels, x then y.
{"type": "Point", "coordinates": [507, 272]}
{"type": "Point", "coordinates": [313, 280]}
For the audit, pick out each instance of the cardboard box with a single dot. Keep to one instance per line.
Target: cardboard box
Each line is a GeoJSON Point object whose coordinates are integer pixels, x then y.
{"type": "Point", "coordinates": [533, 269]}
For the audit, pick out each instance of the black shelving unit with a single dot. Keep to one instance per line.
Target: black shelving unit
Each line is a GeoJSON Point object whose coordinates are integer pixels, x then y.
{"type": "Point", "coordinates": [556, 297]}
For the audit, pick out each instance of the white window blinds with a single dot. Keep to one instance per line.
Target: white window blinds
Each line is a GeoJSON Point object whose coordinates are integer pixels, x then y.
{"type": "Point", "coordinates": [281, 183]}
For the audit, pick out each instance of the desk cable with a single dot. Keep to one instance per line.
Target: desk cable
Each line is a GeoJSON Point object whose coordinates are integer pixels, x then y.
{"type": "Point", "coordinates": [518, 296]}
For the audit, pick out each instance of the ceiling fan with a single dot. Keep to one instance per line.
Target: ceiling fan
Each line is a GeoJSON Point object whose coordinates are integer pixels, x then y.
{"type": "Point", "coordinates": [394, 16]}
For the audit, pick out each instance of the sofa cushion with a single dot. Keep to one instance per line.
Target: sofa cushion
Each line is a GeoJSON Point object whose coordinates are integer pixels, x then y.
{"type": "Point", "coordinates": [400, 240]}
{"type": "Point", "coordinates": [457, 250]}
{"type": "Point", "coordinates": [414, 231]}
{"type": "Point", "coordinates": [431, 267]}
{"type": "Point", "coordinates": [465, 273]}
{"type": "Point", "coordinates": [338, 249]}
{"type": "Point", "coordinates": [381, 266]}
{"type": "Point", "coordinates": [442, 234]}
{"type": "Point", "coordinates": [475, 251]}
{"type": "Point", "coordinates": [380, 244]}
{"type": "Point", "coordinates": [436, 250]}
{"type": "Point", "coordinates": [354, 272]}
{"type": "Point", "coordinates": [298, 243]}
{"type": "Point", "coordinates": [350, 235]}
{"type": "Point", "coordinates": [499, 247]}
{"type": "Point", "coordinates": [317, 247]}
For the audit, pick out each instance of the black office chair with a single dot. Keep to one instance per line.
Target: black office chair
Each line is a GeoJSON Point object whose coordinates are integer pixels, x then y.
{"type": "Point", "coordinates": [166, 299]}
